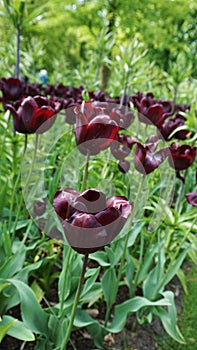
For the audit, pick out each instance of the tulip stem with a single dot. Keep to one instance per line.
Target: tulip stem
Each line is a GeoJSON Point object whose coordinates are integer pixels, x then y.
{"type": "Point", "coordinates": [122, 261]}
{"type": "Point", "coordinates": [25, 143]}
{"type": "Point", "coordinates": [65, 278]}
{"type": "Point", "coordinates": [85, 176]}
{"type": "Point", "coordinates": [179, 199]}
{"type": "Point", "coordinates": [15, 188]}
{"type": "Point", "coordinates": [80, 284]}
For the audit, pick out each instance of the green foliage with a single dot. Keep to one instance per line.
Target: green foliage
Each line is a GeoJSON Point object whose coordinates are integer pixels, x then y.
{"type": "Point", "coordinates": [186, 319]}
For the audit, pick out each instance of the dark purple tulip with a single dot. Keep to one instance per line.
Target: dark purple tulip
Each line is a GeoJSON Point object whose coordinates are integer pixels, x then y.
{"type": "Point", "coordinates": [12, 89]}
{"type": "Point", "coordinates": [91, 221]}
{"type": "Point", "coordinates": [32, 89]}
{"type": "Point", "coordinates": [192, 198]}
{"type": "Point", "coordinates": [100, 131]}
{"type": "Point", "coordinates": [32, 113]}
{"type": "Point", "coordinates": [171, 125]}
{"type": "Point", "coordinates": [181, 157]}
{"type": "Point", "coordinates": [145, 160]}
{"type": "Point", "coordinates": [154, 114]}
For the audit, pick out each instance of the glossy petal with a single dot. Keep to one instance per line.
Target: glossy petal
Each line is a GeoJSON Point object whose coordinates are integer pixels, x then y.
{"type": "Point", "coordinates": [120, 203]}
{"type": "Point", "coordinates": [84, 233]}
{"type": "Point", "coordinates": [94, 200]}
{"type": "Point", "coordinates": [64, 202]}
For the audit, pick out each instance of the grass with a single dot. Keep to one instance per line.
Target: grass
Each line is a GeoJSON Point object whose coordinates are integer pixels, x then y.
{"type": "Point", "coordinates": [187, 320]}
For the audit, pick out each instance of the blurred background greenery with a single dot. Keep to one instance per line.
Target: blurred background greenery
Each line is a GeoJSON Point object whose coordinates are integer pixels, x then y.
{"type": "Point", "coordinates": [83, 41]}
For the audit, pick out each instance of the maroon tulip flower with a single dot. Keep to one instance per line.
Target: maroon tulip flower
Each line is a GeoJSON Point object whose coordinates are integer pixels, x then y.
{"type": "Point", "coordinates": [171, 125]}
{"type": "Point", "coordinates": [145, 160]}
{"type": "Point", "coordinates": [154, 114]}
{"type": "Point", "coordinates": [32, 113]}
{"type": "Point", "coordinates": [94, 134]}
{"type": "Point", "coordinates": [91, 221]}
{"type": "Point", "coordinates": [192, 198]}
{"type": "Point", "coordinates": [12, 89]}
{"type": "Point", "coordinates": [181, 156]}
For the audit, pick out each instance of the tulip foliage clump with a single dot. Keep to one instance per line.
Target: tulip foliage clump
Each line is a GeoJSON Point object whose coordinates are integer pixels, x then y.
{"type": "Point", "coordinates": [98, 195]}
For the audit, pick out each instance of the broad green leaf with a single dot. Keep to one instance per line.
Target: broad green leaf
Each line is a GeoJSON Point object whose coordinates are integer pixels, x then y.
{"type": "Point", "coordinates": [35, 318]}
{"type": "Point", "coordinates": [57, 329]}
{"type": "Point", "coordinates": [168, 318]}
{"type": "Point", "coordinates": [101, 258]}
{"type": "Point", "coordinates": [154, 278]}
{"type": "Point", "coordinates": [109, 286]}
{"type": "Point", "coordinates": [4, 285]}
{"type": "Point", "coordinates": [90, 283]}
{"type": "Point", "coordinates": [147, 261]}
{"type": "Point", "coordinates": [136, 229]}
{"type": "Point", "coordinates": [111, 256]}
{"type": "Point", "coordinates": [13, 264]}
{"type": "Point", "coordinates": [18, 329]}
{"type": "Point", "coordinates": [4, 328]}
{"type": "Point", "coordinates": [129, 306]}
{"type": "Point", "coordinates": [37, 291]}
{"type": "Point", "coordinates": [173, 269]}
{"type": "Point", "coordinates": [93, 295]}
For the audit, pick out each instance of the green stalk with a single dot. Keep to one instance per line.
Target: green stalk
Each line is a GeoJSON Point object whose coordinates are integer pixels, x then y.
{"type": "Point", "coordinates": [178, 203]}
{"type": "Point", "coordinates": [122, 261]}
{"type": "Point", "coordinates": [65, 279]}
{"type": "Point", "coordinates": [80, 284]}
{"type": "Point", "coordinates": [16, 184]}
{"type": "Point", "coordinates": [85, 176]}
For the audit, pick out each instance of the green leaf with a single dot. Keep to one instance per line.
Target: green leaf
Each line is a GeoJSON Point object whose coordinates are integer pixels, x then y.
{"type": "Point", "coordinates": [33, 315]}
{"type": "Point", "coordinates": [130, 268]}
{"type": "Point", "coordinates": [136, 229]}
{"type": "Point", "coordinates": [93, 295]}
{"type": "Point", "coordinates": [109, 286]}
{"type": "Point", "coordinates": [5, 328]}
{"type": "Point", "coordinates": [129, 306]}
{"type": "Point", "coordinates": [37, 290]}
{"type": "Point", "coordinates": [4, 285]}
{"type": "Point", "coordinates": [101, 258]}
{"type": "Point", "coordinates": [111, 256]}
{"type": "Point", "coordinates": [18, 329]}
{"type": "Point", "coordinates": [13, 264]}
{"type": "Point", "coordinates": [90, 282]}
{"type": "Point", "coordinates": [173, 269]}
{"type": "Point", "coordinates": [154, 278]}
{"type": "Point", "coordinates": [147, 262]}
{"type": "Point", "coordinates": [3, 196]}
{"type": "Point", "coordinates": [168, 318]}
{"type": "Point", "coordinates": [181, 277]}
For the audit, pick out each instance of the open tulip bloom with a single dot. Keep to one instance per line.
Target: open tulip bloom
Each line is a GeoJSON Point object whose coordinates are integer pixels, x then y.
{"type": "Point", "coordinates": [34, 114]}
{"type": "Point", "coordinates": [97, 125]}
{"type": "Point", "coordinates": [89, 219]}
{"type": "Point", "coordinates": [181, 156]}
